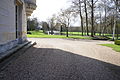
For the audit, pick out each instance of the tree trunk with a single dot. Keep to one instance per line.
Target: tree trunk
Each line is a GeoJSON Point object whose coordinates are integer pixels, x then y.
{"type": "Point", "coordinates": [100, 25]}
{"type": "Point", "coordinates": [81, 17]}
{"type": "Point", "coordinates": [86, 17]}
{"type": "Point", "coordinates": [114, 30]}
{"type": "Point", "coordinates": [115, 21]}
{"type": "Point", "coordinates": [112, 23]}
{"type": "Point", "coordinates": [117, 31]}
{"type": "Point", "coordinates": [92, 18]}
{"type": "Point", "coordinates": [105, 21]}
{"type": "Point", "coordinates": [66, 31]}
{"type": "Point", "coordinates": [61, 30]}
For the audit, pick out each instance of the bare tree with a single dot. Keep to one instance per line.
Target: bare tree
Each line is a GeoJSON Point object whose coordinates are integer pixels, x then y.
{"type": "Point", "coordinates": [45, 27]}
{"type": "Point", "coordinates": [80, 11]}
{"type": "Point", "coordinates": [91, 4]}
{"type": "Point", "coordinates": [99, 16]}
{"type": "Point", "coordinates": [52, 23]}
{"type": "Point", "coordinates": [65, 18]}
{"type": "Point", "coordinates": [77, 5]}
{"type": "Point", "coordinates": [115, 20]}
{"type": "Point", "coordinates": [86, 13]}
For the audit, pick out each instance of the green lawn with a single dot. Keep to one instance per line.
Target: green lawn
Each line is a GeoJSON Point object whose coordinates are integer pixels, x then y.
{"type": "Point", "coordinates": [40, 34]}
{"type": "Point", "coordinates": [113, 46]}
{"type": "Point", "coordinates": [77, 35]}
{"type": "Point", "coordinates": [97, 34]}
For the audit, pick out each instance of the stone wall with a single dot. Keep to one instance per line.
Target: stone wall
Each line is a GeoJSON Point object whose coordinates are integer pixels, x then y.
{"type": "Point", "coordinates": [7, 21]}
{"type": "Point", "coordinates": [8, 38]}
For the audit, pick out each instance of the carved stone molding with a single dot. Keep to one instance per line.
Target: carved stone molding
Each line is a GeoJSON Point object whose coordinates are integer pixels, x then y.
{"type": "Point", "coordinates": [19, 2]}
{"type": "Point", "coordinates": [30, 6]}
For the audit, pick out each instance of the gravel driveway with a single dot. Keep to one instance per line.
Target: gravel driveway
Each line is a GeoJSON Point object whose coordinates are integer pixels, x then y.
{"type": "Point", "coordinates": [65, 59]}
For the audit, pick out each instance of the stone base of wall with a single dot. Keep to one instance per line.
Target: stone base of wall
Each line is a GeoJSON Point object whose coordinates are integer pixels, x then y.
{"type": "Point", "coordinates": [8, 46]}
{"type": "Point", "coordinates": [11, 44]}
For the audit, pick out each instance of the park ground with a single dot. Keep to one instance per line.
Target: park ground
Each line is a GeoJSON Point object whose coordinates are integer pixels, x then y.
{"type": "Point", "coordinates": [74, 35]}
{"type": "Point", "coordinates": [40, 34]}
{"type": "Point", "coordinates": [65, 59]}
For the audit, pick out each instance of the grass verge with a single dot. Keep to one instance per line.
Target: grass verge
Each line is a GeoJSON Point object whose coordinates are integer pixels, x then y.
{"type": "Point", "coordinates": [40, 34]}
{"type": "Point", "coordinates": [113, 46]}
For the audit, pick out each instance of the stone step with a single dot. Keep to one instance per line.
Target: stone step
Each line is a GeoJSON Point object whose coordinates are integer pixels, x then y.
{"type": "Point", "coordinates": [9, 53]}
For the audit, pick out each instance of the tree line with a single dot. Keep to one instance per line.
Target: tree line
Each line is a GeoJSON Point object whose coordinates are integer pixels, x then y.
{"type": "Point", "coordinates": [96, 17]}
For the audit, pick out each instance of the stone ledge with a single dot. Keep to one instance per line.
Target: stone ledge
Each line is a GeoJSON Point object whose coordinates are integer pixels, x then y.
{"type": "Point", "coordinates": [8, 46]}
{"type": "Point", "coordinates": [8, 53]}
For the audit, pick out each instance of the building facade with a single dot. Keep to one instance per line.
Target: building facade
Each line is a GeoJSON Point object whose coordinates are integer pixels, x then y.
{"type": "Point", "coordinates": [13, 22]}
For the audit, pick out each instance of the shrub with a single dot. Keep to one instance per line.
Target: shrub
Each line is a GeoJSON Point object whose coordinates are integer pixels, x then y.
{"type": "Point", "coordinates": [29, 33]}
{"type": "Point", "coordinates": [117, 42]}
{"type": "Point", "coordinates": [100, 38]}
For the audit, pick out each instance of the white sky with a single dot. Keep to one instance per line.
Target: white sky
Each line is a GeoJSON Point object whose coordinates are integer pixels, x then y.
{"type": "Point", "coordinates": [46, 8]}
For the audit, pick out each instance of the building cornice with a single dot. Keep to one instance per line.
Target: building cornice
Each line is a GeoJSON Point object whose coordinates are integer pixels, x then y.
{"type": "Point", "coordinates": [18, 2]}
{"type": "Point", "coordinates": [30, 6]}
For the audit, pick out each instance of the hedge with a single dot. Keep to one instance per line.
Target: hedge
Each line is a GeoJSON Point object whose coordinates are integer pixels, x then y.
{"type": "Point", "coordinates": [117, 42]}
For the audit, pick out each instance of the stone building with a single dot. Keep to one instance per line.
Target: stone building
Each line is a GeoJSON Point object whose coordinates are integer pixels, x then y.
{"type": "Point", "coordinates": [13, 22]}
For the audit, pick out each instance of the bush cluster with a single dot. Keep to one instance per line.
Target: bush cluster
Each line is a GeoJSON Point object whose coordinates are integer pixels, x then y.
{"type": "Point", "coordinates": [100, 38]}
{"type": "Point", "coordinates": [117, 42]}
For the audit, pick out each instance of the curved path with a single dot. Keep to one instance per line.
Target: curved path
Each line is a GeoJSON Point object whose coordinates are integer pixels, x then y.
{"type": "Point", "coordinates": [65, 59]}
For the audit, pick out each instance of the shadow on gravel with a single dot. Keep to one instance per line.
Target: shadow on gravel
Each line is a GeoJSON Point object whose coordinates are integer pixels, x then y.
{"type": "Point", "coordinates": [56, 64]}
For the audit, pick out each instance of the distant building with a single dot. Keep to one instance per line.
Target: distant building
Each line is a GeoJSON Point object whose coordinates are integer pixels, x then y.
{"type": "Point", "coordinates": [45, 27]}
{"type": "Point", "coordinates": [13, 22]}
{"type": "Point", "coordinates": [74, 29]}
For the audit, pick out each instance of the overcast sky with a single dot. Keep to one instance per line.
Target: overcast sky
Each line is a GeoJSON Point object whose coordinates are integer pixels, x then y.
{"type": "Point", "coordinates": [46, 8]}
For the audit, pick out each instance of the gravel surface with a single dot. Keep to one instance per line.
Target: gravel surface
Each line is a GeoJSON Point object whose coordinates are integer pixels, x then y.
{"type": "Point", "coordinates": [65, 59]}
